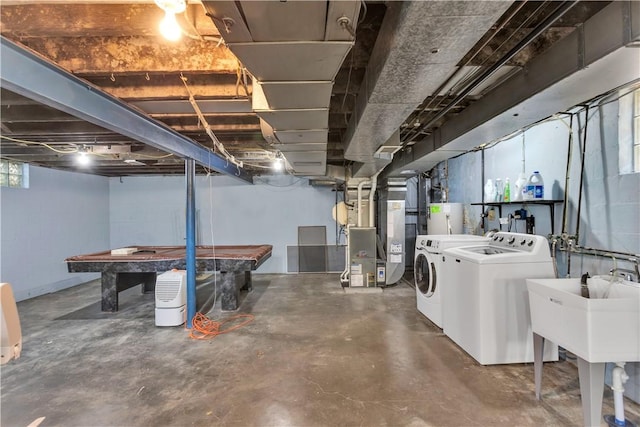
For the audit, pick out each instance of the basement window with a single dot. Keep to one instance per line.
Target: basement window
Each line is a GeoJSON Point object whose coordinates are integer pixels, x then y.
{"type": "Point", "coordinates": [629, 133]}
{"type": "Point", "coordinates": [14, 174]}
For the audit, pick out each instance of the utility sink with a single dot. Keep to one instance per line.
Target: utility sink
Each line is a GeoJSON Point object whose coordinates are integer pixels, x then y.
{"type": "Point", "coordinates": [600, 329]}
{"type": "Point", "coordinates": [596, 329]}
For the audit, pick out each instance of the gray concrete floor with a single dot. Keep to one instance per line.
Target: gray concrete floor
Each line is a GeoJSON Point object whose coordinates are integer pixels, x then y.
{"type": "Point", "coordinates": [314, 356]}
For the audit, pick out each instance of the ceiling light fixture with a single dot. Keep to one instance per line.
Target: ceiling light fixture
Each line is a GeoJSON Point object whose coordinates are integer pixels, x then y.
{"type": "Point", "coordinates": [278, 163]}
{"type": "Point", "coordinates": [83, 158]}
{"type": "Point", "coordinates": [169, 27]}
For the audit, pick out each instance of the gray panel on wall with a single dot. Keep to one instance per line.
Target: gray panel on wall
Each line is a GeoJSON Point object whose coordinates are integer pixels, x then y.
{"type": "Point", "coordinates": [312, 259]}
{"type": "Point", "coordinates": [312, 235]}
{"type": "Point", "coordinates": [292, 259]}
{"type": "Point", "coordinates": [335, 259]}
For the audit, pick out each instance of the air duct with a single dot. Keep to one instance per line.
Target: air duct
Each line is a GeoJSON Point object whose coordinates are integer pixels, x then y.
{"type": "Point", "coordinates": [420, 42]}
{"type": "Point", "coordinates": [293, 51]}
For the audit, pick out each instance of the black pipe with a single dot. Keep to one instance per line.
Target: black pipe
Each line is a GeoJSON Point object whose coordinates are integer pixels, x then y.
{"type": "Point", "coordinates": [584, 144]}
{"type": "Point", "coordinates": [566, 177]}
{"type": "Point", "coordinates": [482, 186]}
{"type": "Point", "coordinates": [539, 29]}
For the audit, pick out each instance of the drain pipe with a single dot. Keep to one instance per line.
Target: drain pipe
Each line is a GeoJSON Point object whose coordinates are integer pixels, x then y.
{"type": "Point", "coordinates": [618, 378]}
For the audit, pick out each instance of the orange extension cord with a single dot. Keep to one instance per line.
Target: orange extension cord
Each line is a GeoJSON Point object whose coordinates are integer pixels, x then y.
{"type": "Point", "coordinates": [203, 328]}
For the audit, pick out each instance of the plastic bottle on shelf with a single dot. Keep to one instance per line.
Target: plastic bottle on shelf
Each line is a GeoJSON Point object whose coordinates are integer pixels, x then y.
{"type": "Point", "coordinates": [535, 187]}
{"type": "Point", "coordinates": [489, 191]}
{"type": "Point", "coordinates": [499, 190]}
{"type": "Point", "coordinates": [520, 187]}
{"type": "Point", "coordinates": [507, 190]}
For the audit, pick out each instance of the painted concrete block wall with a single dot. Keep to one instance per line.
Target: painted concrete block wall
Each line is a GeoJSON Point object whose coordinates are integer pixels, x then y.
{"type": "Point", "coordinates": [611, 201]}
{"type": "Point", "coordinates": [610, 213]}
{"type": "Point", "coordinates": [151, 211]}
{"type": "Point", "coordinates": [60, 215]}
{"type": "Point", "coordinates": [544, 148]}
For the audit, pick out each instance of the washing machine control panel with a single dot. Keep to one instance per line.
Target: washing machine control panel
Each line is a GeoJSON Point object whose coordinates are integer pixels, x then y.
{"type": "Point", "coordinates": [518, 241]}
{"type": "Point", "coordinates": [422, 243]}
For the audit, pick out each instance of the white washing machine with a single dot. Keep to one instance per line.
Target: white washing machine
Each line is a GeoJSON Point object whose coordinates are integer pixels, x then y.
{"type": "Point", "coordinates": [487, 302]}
{"type": "Point", "coordinates": [427, 273]}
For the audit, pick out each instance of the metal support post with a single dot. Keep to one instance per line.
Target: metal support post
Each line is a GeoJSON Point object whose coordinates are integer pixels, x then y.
{"type": "Point", "coordinates": [190, 175]}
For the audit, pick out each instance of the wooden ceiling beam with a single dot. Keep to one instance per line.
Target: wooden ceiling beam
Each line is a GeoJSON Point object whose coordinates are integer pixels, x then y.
{"type": "Point", "coordinates": [79, 19]}
{"type": "Point", "coordinates": [130, 88]}
{"type": "Point", "coordinates": [134, 54]}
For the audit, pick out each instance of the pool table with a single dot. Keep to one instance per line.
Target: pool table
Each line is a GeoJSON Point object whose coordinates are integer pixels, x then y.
{"type": "Point", "coordinates": [120, 272]}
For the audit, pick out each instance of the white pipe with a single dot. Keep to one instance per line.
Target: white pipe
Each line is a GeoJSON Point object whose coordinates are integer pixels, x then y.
{"type": "Point", "coordinates": [344, 277]}
{"type": "Point", "coordinates": [618, 378]}
{"type": "Point", "coordinates": [358, 206]}
{"type": "Point", "coordinates": [374, 184]}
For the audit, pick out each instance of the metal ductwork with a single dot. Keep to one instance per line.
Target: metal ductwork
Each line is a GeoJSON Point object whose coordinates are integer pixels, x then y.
{"type": "Point", "coordinates": [419, 44]}
{"type": "Point", "coordinates": [293, 50]}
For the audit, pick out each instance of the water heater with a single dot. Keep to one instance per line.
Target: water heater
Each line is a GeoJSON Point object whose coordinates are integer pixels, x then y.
{"type": "Point", "coordinates": [444, 218]}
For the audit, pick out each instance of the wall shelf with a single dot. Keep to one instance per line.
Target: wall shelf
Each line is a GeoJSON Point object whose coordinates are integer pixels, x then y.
{"type": "Point", "coordinates": [551, 203]}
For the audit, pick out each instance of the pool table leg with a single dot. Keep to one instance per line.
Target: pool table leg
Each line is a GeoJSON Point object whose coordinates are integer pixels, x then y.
{"type": "Point", "coordinates": [109, 291]}
{"type": "Point", "coordinates": [149, 282]}
{"type": "Point", "coordinates": [248, 285]}
{"type": "Point", "coordinates": [230, 291]}
{"type": "Point", "coordinates": [112, 283]}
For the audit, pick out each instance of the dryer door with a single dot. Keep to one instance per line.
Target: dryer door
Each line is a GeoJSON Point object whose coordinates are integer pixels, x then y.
{"type": "Point", "coordinates": [423, 275]}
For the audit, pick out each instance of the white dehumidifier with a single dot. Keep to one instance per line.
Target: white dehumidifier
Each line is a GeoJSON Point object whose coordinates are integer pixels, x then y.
{"type": "Point", "coordinates": [171, 298]}
{"type": "Point", "coordinates": [10, 331]}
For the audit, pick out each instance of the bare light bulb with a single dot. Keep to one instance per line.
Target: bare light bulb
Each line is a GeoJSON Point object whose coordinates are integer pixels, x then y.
{"type": "Point", "coordinates": [277, 164]}
{"type": "Point", "coordinates": [170, 28]}
{"type": "Point", "coordinates": [83, 159]}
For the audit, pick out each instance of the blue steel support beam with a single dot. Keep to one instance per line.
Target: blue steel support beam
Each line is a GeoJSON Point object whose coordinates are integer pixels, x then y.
{"type": "Point", "coordinates": [190, 175]}
{"type": "Point", "coordinates": [28, 74]}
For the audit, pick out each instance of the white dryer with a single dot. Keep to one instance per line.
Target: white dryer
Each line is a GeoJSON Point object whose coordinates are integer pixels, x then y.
{"type": "Point", "coordinates": [427, 273]}
{"type": "Point", "coordinates": [487, 301]}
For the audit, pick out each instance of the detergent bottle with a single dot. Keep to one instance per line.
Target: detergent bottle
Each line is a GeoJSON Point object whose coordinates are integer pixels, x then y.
{"type": "Point", "coordinates": [535, 187]}
{"type": "Point", "coordinates": [507, 190]}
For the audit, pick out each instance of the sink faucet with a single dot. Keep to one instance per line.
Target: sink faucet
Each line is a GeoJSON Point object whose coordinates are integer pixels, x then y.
{"type": "Point", "coordinates": [625, 273]}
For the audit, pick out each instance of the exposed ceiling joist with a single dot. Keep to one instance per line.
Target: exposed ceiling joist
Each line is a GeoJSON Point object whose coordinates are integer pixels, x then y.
{"type": "Point", "coordinates": [405, 48]}
{"type": "Point", "coordinates": [552, 82]}
{"type": "Point", "coordinates": [29, 75]}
